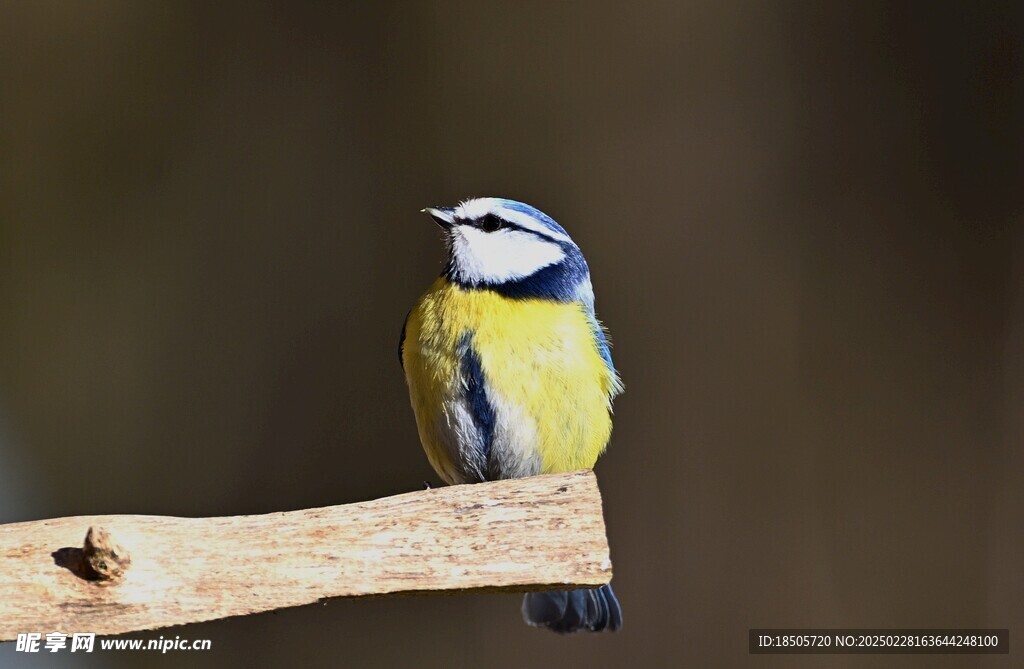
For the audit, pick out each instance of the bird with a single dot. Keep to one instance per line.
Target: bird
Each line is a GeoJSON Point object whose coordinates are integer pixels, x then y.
{"type": "Point", "coordinates": [509, 370]}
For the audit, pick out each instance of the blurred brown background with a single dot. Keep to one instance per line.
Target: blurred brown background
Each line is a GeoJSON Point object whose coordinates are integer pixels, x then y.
{"type": "Point", "coordinates": [804, 223]}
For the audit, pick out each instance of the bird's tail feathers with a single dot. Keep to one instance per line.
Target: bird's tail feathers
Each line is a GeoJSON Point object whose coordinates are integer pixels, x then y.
{"type": "Point", "coordinates": [567, 611]}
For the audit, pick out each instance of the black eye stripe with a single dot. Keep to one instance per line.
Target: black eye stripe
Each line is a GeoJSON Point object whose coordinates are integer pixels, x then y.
{"type": "Point", "coordinates": [490, 223]}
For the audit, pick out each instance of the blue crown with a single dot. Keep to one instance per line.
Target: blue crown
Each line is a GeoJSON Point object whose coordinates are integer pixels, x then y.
{"type": "Point", "coordinates": [533, 213]}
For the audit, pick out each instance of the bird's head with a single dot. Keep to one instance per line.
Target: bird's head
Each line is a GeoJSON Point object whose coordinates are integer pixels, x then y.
{"type": "Point", "coordinates": [511, 247]}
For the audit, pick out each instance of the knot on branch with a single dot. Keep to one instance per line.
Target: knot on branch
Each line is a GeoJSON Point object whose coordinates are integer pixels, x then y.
{"type": "Point", "coordinates": [100, 558]}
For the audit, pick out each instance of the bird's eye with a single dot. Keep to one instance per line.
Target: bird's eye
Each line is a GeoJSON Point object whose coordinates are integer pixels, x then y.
{"type": "Point", "coordinates": [491, 223]}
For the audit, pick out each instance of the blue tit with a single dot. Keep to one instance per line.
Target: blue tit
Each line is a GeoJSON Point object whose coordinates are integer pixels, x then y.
{"type": "Point", "coordinates": [508, 368]}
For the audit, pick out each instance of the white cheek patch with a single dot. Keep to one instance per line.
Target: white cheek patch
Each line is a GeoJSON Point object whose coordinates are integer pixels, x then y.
{"type": "Point", "coordinates": [504, 255]}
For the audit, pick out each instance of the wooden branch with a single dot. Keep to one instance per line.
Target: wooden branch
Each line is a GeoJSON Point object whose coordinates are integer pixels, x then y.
{"type": "Point", "coordinates": [145, 572]}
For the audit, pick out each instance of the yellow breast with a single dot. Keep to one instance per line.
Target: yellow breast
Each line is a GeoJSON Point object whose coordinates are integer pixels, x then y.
{"type": "Point", "coordinates": [544, 375]}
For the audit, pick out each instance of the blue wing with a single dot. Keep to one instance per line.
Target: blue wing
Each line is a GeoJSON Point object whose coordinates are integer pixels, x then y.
{"type": "Point", "coordinates": [585, 295]}
{"type": "Point", "coordinates": [401, 341]}
{"type": "Point", "coordinates": [602, 343]}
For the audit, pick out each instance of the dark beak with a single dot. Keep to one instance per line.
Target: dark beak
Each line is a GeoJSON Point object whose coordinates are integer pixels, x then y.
{"type": "Point", "coordinates": [443, 216]}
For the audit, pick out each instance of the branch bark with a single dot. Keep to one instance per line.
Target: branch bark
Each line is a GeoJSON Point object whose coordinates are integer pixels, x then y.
{"type": "Point", "coordinates": [145, 572]}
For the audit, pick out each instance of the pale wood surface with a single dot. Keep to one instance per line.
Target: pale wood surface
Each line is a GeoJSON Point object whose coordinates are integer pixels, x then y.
{"type": "Point", "coordinates": [147, 572]}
